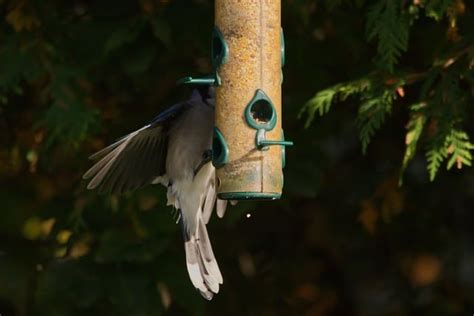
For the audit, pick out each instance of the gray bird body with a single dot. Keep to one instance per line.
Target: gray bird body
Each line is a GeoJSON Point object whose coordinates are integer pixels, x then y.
{"type": "Point", "coordinates": [171, 150]}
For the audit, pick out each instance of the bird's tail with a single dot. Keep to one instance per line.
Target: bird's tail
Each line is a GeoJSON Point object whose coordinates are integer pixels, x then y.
{"type": "Point", "coordinates": [200, 261]}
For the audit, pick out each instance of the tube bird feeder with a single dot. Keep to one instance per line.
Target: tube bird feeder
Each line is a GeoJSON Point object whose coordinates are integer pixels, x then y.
{"type": "Point", "coordinates": [248, 56]}
{"type": "Point", "coordinates": [247, 59]}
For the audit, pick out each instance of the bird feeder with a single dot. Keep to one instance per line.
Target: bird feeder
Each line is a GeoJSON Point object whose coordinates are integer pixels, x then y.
{"type": "Point", "coordinates": [247, 59]}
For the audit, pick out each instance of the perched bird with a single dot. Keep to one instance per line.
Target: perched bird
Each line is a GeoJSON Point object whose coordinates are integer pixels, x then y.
{"type": "Point", "coordinates": [174, 149]}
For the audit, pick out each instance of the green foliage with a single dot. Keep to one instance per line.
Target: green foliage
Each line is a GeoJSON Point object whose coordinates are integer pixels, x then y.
{"type": "Point", "coordinates": [19, 62]}
{"type": "Point", "coordinates": [459, 148]}
{"type": "Point", "coordinates": [436, 153]}
{"type": "Point", "coordinates": [389, 25]}
{"type": "Point", "coordinates": [376, 104]}
{"type": "Point", "coordinates": [444, 96]}
{"type": "Point", "coordinates": [453, 145]}
{"type": "Point", "coordinates": [436, 9]}
{"type": "Point", "coordinates": [414, 129]}
{"type": "Point", "coordinates": [322, 101]}
{"type": "Point", "coordinates": [124, 34]}
{"type": "Point", "coordinates": [372, 113]}
{"type": "Point", "coordinates": [68, 123]}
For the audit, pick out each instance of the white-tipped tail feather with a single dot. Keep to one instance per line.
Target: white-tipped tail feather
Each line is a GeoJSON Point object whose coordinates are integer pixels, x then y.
{"type": "Point", "coordinates": [200, 261]}
{"type": "Point", "coordinates": [221, 207]}
{"type": "Point", "coordinates": [193, 195]}
{"type": "Point", "coordinates": [209, 202]}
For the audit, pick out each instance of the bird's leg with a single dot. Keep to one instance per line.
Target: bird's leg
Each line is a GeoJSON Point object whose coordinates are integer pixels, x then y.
{"type": "Point", "coordinates": [206, 157]}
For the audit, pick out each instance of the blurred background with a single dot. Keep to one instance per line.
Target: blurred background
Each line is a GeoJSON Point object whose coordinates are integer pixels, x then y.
{"type": "Point", "coordinates": [345, 239]}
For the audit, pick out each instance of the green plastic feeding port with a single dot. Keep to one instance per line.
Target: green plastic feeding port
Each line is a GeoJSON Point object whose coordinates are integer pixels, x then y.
{"type": "Point", "coordinates": [261, 115]}
{"type": "Point", "coordinates": [220, 150]}
{"type": "Point", "coordinates": [219, 49]}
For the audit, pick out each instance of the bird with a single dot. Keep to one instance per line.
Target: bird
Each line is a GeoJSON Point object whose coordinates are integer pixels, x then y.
{"type": "Point", "coordinates": [174, 149]}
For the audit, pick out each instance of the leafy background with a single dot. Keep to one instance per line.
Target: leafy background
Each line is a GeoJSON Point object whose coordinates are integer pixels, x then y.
{"type": "Point", "coordinates": [362, 229]}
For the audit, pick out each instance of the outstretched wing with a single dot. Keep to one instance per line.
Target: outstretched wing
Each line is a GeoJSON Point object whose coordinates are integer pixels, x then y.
{"type": "Point", "coordinates": [136, 159]}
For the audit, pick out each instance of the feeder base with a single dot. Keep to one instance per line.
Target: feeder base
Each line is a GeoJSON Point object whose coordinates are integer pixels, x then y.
{"type": "Point", "coordinates": [249, 196]}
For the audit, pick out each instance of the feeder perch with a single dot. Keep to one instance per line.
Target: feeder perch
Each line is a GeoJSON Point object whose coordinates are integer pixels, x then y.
{"type": "Point", "coordinates": [248, 54]}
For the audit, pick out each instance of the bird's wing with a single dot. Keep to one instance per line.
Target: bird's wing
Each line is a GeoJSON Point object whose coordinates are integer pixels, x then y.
{"type": "Point", "coordinates": [136, 159]}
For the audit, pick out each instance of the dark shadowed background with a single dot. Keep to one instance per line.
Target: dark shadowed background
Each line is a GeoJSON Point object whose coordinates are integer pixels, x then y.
{"type": "Point", "coordinates": [345, 239]}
